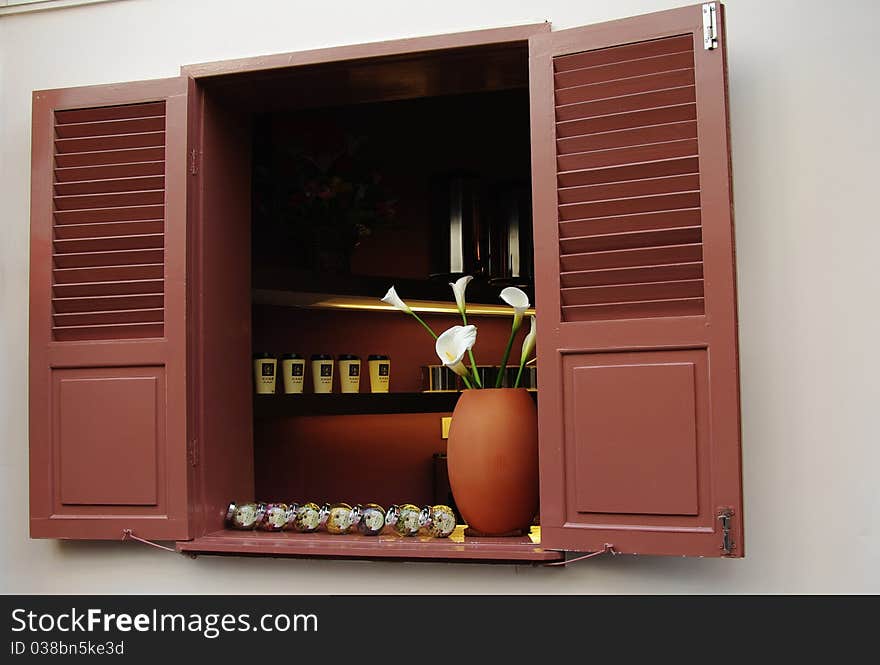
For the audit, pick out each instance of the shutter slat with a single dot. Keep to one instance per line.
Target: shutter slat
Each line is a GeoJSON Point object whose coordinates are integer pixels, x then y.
{"type": "Point", "coordinates": [626, 69]}
{"type": "Point", "coordinates": [626, 137]}
{"type": "Point", "coordinates": [618, 190]}
{"type": "Point", "coordinates": [119, 273]}
{"type": "Point", "coordinates": [109, 200]}
{"type": "Point", "coordinates": [633, 310]}
{"type": "Point", "coordinates": [636, 102]}
{"type": "Point", "coordinates": [107, 332]}
{"type": "Point", "coordinates": [637, 275]}
{"type": "Point", "coordinates": [679, 166]}
{"type": "Point", "coordinates": [109, 229]}
{"type": "Point", "coordinates": [666, 219]}
{"type": "Point", "coordinates": [97, 215]}
{"type": "Point", "coordinates": [611, 241]}
{"type": "Point", "coordinates": [108, 303]}
{"type": "Point", "coordinates": [106, 259]}
{"type": "Point", "coordinates": [628, 206]}
{"type": "Point", "coordinates": [125, 111]}
{"type": "Point", "coordinates": [107, 186]}
{"type": "Point", "coordinates": [626, 120]}
{"type": "Point", "coordinates": [84, 289]}
{"type": "Point", "coordinates": [113, 171]}
{"type": "Point", "coordinates": [622, 87]}
{"type": "Point", "coordinates": [79, 245]}
{"type": "Point", "coordinates": [116, 142]}
{"type": "Point", "coordinates": [110, 127]}
{"type": "Point", "coordinates": [619, 156]}
{"type": "Point", "coordinates": [103, 318]}
{"type": "Point", "coordinates": [604, 56]}
{"type": "Point", "coordinates": [105, 157]}
{"type": "Point", "coordinates": [632, 257]}
{"type": "Point", "coordinates": [593, 295]}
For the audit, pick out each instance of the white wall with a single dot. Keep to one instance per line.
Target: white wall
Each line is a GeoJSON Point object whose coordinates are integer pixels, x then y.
{"type": "Point", "coordinates": [804, 93]}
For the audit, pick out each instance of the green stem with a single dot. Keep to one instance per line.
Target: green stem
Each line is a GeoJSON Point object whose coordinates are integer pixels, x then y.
{"type": "Point", "coordinates": [519, 374]}
{"type": "Point", "coordinates": [427, 327]}
{"type": "Point", "coordinates": [474, 369]}
{"type": "Point", "coordinates": [471, 353]}
{"type": "Point", "coordinates": [503, 369]}
{"type": "Point", "coordinates": [466, 382]}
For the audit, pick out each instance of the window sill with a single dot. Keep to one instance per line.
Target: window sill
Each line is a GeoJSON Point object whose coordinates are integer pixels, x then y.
{"type": "Point", "coordinates": [457, 547]}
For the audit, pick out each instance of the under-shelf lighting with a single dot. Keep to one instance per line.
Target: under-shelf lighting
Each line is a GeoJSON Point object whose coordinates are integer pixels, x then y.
{"type": "Point", "coordinates": [364, 303]}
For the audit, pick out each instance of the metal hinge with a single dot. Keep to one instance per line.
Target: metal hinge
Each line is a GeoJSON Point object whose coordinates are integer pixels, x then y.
{"type": "Point", "coordinates": [725, 516]}
{"type": "Point", "coordinates": [193, 162]}
{"type": "Point", "coordinates": [192, 450]}
{"type": "Point", "coordinates": [710, 26]}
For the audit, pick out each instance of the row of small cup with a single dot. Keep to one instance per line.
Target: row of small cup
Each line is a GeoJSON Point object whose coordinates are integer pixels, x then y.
{"type": "Point", "coordinates": [340, 518]}
{"type": "Point", "coordinates": [293, 372]}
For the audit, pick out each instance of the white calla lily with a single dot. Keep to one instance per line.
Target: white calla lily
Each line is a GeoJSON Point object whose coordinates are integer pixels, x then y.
{"type": "Point", "coordinates": [517, 299]}
{"type": "Point", "coordinates": [527, 348]}
{"type": "Point", "coordinates": [453, 344]}
{"type": "Point", "coordinates": [458, 289]}
{"type": "Point", "coordinates": [391, 298]}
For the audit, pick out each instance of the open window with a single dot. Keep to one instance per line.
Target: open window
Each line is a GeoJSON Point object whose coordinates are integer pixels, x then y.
{"type": "Point", "coordinates": [610, 142]}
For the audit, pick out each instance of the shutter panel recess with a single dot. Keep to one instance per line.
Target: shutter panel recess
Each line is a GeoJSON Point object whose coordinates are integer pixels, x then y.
{"type": "Point", "coordinates": [109, 232]}
{"type": "Point", "coordinates": [629, 182]}
{"type": "Point", "coordinates": [108, 360]}
{"type": "Point", "coordinates": [639, 408]}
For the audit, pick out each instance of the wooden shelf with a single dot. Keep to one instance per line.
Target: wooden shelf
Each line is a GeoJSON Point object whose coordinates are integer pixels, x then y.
{"type": "Point", "coordinates": [310, 404]}
{"type": "Point", "coordinates": [457, 547]}
{"type": "Point", "coordinates": [429, 296]}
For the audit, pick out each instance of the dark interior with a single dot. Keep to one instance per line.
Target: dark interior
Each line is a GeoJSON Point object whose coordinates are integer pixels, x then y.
{"type": "Point", "coordinates": [409, 124]}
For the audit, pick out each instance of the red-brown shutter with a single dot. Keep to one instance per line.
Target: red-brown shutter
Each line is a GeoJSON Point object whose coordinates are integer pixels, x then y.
{"type": "Point", "coordinates": [108, 400]}
{"type": "Point", "coordinates": [639, 399]}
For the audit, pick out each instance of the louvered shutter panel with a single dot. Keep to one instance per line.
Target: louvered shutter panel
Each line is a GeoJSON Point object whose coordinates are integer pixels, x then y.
{"type": "Point", "coordinates": [109, 227]}
{"type": "Point", "coordinates": [639, 402]}
{"type": "Point", "coordinates": [108, 426]}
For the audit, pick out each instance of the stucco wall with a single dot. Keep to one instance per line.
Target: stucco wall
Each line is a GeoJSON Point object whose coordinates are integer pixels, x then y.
{"type": "Point", "coordinates": [804, 98]}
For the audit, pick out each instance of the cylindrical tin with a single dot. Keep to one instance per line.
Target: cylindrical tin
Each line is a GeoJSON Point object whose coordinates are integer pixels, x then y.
{"type": "Point", "coordinates": [349, 373]}
{"type": "Point", "coordinates": [264, 373]}
{"type": "Point", "coordinates": [380, 373]}
{"type": "Point", "coordinates": [275, 517]}
{"type": "Point", "coordinates": [293, 372]}
{"type": "Point", "coordinates": [322, 373]}
{"type": "Point", "coordinates": [244, 516]}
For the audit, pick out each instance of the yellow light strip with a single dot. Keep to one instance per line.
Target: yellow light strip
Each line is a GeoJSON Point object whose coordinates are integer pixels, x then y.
{"type": "Point", "coordinates": [364, 303]}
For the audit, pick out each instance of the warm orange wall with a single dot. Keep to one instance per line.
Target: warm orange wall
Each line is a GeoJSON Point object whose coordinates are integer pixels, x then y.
{"type": "Point", "coordinates": [357, 459]}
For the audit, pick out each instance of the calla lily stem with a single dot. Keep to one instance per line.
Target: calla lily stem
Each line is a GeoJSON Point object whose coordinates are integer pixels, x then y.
{"type": "Point", "coordinates": [506, 355]}
{"type": "Point", "coordinates": [519, 375]}
{"type": "Point", "coordinates": [427, 327]}
{"type": "Point", "coordinates": [471, 354]}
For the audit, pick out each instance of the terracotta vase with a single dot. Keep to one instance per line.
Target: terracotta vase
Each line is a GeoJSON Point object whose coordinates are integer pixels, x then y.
{"type": "Point", "coordinates": [493, 459]}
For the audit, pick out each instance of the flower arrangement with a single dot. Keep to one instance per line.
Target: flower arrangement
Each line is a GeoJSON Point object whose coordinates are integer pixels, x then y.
{"type": "Point", "coordinates": [454, 344]}
{"type": "Point", "coordinates": [328, 199]}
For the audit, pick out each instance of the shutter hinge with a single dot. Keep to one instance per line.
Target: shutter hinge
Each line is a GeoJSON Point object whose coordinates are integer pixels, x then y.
{"type": "Point", "coordinates": [710, 26]}
{"type": "Point", "coordinates": [193, 162]}
{"type": "Point", "coordinates": [725, 516]}
{"type": "Point", "coordinates": [193, 452]}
